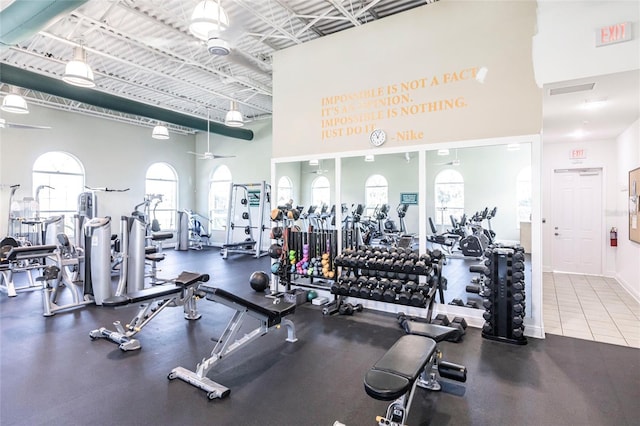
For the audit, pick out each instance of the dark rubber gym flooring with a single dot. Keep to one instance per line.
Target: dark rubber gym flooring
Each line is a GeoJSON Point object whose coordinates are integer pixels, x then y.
{"type": "Point", "coordinates": [53, 374]}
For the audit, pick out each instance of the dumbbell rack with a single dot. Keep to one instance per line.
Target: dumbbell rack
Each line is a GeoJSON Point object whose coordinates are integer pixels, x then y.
{"type": "Point", "coordinates": [321, 245]}
{"type": "Point", "coordinates": [390, 276]}
{"type": "Point", "coordinates": [504, 298]}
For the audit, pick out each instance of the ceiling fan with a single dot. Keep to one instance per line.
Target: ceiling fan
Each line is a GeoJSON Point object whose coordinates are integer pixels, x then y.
{"type": "Point", "coordinates": [4, 124]}
{"type": "Point", "coordinates": [208, 155]}
{"type": "Point", "coordinates": [319, 170]}
{"type": "Point", "coordinates": [454, 162]}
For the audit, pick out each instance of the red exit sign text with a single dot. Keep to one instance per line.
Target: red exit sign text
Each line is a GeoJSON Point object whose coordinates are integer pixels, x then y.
{"type": "Point", "coordinates": [611, 34]}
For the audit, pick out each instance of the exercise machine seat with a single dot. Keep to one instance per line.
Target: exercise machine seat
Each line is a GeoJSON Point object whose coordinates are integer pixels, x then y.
{"type": "Point", "coordinates": [161, 236]}
{"type": "Point", "coordinates": [274, 312]}
{"type": "Point", "coordinates": [187, 278]}
{"type": "Point", "coordinates": [394, 374]}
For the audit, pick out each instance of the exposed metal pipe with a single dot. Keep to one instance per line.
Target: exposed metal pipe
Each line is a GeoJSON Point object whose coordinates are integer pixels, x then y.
{"type": "Point", "coordinates": [33, 81]}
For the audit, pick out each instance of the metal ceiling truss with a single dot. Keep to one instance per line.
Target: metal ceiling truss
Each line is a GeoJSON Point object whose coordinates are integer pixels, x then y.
{"type": "Point", "coordinates": [142, 51]}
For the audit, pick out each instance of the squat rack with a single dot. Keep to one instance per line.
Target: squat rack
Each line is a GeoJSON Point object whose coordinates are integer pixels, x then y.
{"type": "Point", "coordinates": [243, 197]}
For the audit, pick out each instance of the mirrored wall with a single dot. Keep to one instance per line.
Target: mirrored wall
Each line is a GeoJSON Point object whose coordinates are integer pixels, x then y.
{"type": "Point", "coordinates": [458, 181]}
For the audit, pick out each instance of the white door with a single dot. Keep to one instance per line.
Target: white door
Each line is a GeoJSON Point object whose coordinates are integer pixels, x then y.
{"type": "Point", "coordinates": [577, 221]}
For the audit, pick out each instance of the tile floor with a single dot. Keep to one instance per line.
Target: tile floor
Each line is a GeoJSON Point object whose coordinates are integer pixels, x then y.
{"type": "Point", "coordinates": [590, 308]}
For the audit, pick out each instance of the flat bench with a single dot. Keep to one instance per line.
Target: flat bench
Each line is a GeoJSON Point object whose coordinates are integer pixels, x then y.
{"type": "Point", "coordinates": [412, 361]}
{"type": "Point", "coordinates": [181, 292]}
{"type": "Point", "coordinates": [268, 314]}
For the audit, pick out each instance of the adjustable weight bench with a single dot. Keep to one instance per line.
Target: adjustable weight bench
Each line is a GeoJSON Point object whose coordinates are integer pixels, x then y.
{"type": "Point", "coordinates": [269, 315]}
{"type": "Point", "coordinates": [183, 292]}
{"type": "Point", "coordinates": [412, 361]}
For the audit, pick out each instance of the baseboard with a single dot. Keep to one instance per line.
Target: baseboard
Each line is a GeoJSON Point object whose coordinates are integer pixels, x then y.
{"type": "Point", "coordinates": [628, 287]}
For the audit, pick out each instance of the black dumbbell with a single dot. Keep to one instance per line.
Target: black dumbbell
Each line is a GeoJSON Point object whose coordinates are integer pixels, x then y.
{"type": "Point", "coordinates": [419, 296]}
{"type": "Point", "coordinates": [383, 285]}
{"type": "Point", "coordinates": [440, 319]}
{"type": "Point", "coordinates": [517, 333]}
{"type": "Point", "coordinates": [349, 309]}
{"type": "Point", "coordinates": [517, 266]}
{"type": "Point", "coordinates": [487, 303]}
{"type": "Point", "coordinates": [517, 297]}
{"type": "Point", "coordinates": [365, 290]}
{"type": "Point", "coordinates": [518, 308]}
{"type": "Point", "coordinates": [459, 321]}
{"type": "Point", "coordinates": [473, 289]}
{"type": "Point", "coordinates": [487, 328]}
{"type": "Point", "coordinates": [354, 289]}
{"type": "Point", "coordinates": [517, 320]}
{"type": "Point", "coordinates": [457, 302]}
{"type": "Point", "coordinates": [487, 315]}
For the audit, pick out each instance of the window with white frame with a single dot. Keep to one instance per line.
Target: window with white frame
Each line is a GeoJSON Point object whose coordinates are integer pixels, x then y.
{"type": "Point", "coordinates": [376, 193]}
{"type": "Point", "coordinates": [523, 195]}
{"type": "Point", "coordinates": [162, 179]}
{"type": "Point", "coordinates": [219, 191]}
{"type": "Point", "coordinates": [58, 180]}
{"type": "Point", "coordinates": [285, 190]}
{"type": "Point", "coordinates": [320, 191]}
{"type": "Point", "coordinates": [449, 196]}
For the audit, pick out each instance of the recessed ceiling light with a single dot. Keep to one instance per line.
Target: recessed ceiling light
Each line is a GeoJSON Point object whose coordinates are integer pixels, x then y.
{"type": "Point", "coordinates": [594, 103]}
{"type": "Point", "coordinates": [578, 133]}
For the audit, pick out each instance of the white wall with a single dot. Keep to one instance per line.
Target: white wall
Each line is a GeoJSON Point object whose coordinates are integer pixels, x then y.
{"type": "Point", "coordinates": [251, 164]}
{"type": "Point", "coordinates": [564, 47]}
{"type": "Point", "coordinates": [114, 155]}
{"type": "Point", "coordinates": [627, 254]}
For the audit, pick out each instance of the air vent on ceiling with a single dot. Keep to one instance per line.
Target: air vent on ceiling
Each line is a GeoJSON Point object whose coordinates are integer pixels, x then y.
{"type": "Point", "coordinates": [571, 89]}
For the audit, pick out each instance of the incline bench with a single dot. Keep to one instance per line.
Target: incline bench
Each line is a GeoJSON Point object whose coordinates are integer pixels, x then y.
{"type": "Point", "coordinates": [181, 293]}
{"type": "Point", "coordinates": [269, 315]}
{"type": "Point", "coordinates": [412, 361]}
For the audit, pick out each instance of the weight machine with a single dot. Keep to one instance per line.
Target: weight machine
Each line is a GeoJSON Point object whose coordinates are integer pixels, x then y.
{"type": "Point", "coordinates": [247, 202]}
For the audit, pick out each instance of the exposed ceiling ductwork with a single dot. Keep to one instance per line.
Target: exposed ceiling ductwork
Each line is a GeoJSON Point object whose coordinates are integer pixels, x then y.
{"type": "Point", "coordinates": [30, 80]}
{"type": "Point", "coordinates": [147, 65]}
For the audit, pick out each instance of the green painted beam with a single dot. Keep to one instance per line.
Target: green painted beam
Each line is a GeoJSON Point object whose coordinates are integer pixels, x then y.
{"type": "Point", "coordinates": [33, 81]}
{"type": "Point", "coordinates": [23, 18]}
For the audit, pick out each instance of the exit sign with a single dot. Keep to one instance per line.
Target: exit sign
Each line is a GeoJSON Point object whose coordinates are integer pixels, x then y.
{"type": "Point", "coordinates": [578, 154]}
{"type": "Point", "coordinates": [612, 34]}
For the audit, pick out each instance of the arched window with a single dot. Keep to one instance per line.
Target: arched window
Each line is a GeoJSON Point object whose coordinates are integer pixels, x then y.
{"type": "Point", "coordinates": [162, 179]}
{"type": "Point", "coordinates": [219, 191]}
{"type": "Point", "coordinates": [449, 193]}
{"type": "Point", "coordinates": [523, 195]}
{"type": "Point", "coordinates": [58, 179]}
{"type": "Point", "coordinates": [285, 190]}
{"type": "Point", "coordinates": [376, 193]}
{"type": "Point", "coordinates": [320, 191]}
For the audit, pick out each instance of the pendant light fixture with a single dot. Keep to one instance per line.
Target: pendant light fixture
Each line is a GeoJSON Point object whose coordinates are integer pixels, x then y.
{"type": "Point", "coordinates": [234, 116]}
{"type": "Point", "coordinates": [160, 132]}
{"type": "Point", "coordinates": [14, 103]}
{"type": "Point", "coordinates": [78, 72]}
{"type": "Point", "coordinates": [208, 16]}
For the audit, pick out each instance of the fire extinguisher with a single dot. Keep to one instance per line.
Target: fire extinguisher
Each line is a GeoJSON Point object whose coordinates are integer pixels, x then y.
{"type": "Point", "coordinates": [613, 236]}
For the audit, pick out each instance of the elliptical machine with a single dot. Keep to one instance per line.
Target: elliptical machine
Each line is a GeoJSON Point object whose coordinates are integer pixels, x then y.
{"type": "Point", "coordinates": [475, 243]}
